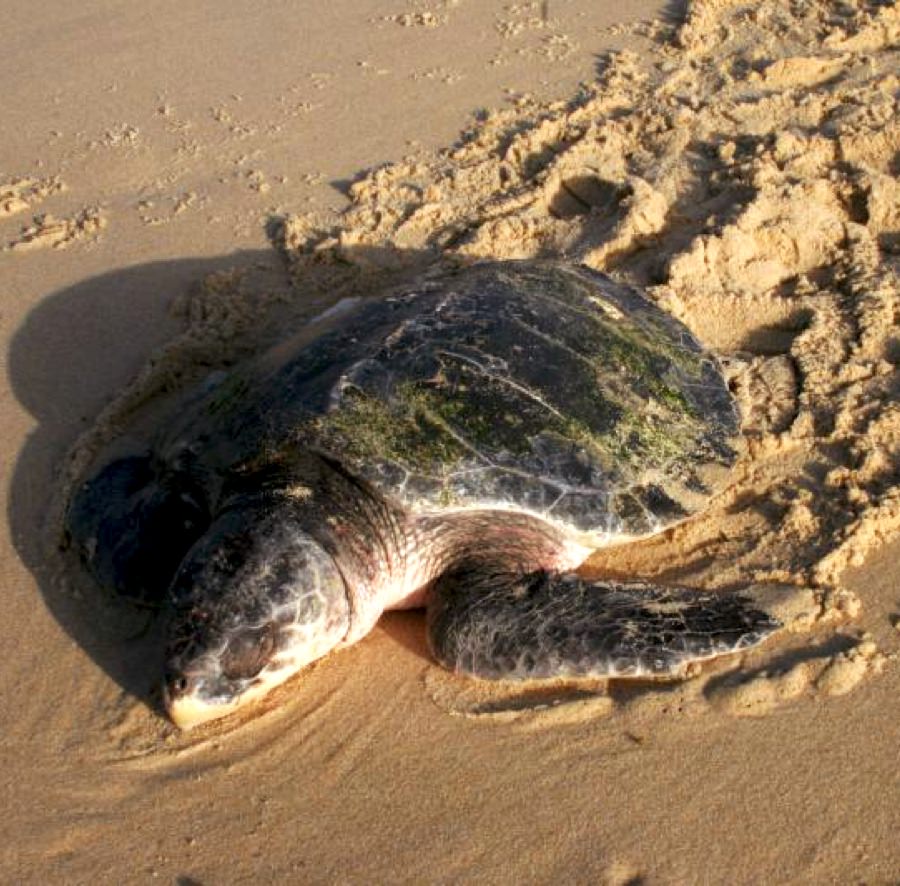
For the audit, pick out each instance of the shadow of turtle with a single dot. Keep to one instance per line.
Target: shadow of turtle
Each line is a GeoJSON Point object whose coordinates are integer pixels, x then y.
{"type": "Point", "coordinates": [73, 352]}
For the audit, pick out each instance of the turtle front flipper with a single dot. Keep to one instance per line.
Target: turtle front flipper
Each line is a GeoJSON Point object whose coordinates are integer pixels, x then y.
{"type": "Point", "coordinates": [545, 624]}
{"type": "Point", "coordinates": [133, 522]}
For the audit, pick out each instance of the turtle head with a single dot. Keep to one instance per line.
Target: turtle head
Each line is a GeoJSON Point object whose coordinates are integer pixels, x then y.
{"type": "Point", "coordinates": [254, 600]}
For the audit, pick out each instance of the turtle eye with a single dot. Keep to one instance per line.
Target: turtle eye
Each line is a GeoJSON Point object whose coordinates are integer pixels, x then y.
{"type": "Point", "coordinates": [248, 652]}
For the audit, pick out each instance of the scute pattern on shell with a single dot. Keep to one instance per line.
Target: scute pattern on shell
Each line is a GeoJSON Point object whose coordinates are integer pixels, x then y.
{"type": "Point", "coordinates": [527, 385]}
{"type": "Point", "coordinates": [537, 386]}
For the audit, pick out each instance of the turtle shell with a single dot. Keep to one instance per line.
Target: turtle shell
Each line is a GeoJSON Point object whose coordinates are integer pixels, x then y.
{"type": "Point", "coordinates": [533, 385]}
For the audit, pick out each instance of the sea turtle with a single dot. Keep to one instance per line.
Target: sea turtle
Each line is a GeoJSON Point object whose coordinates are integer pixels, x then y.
{"type": "Point", "coordinates": [462, 445]}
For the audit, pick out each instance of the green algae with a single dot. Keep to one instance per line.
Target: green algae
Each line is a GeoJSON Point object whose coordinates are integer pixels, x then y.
{"type": "Point", "coordinates": [231, 391]}
{"type": "Point", "coordinates": [431, 431]}
{"type": "Point", "coordinates": [407, 430]}
{"type": "Point", "coordinates": [623, 402]}
{"type": "Point", "coordinates": [648, 360]}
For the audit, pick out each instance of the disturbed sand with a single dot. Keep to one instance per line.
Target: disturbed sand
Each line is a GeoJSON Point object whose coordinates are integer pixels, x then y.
{"type": "Point", "coordinates": [738, 161]}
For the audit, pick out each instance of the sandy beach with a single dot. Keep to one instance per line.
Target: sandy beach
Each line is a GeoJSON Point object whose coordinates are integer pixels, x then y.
{"type": "Point", "coordinates": [178, 183]}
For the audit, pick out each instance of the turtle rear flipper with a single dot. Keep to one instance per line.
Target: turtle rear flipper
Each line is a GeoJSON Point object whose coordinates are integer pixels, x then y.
{"type": "Point", "coordinates": [544, 625]}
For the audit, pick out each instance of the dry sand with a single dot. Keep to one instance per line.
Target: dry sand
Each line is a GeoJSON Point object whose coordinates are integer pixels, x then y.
{"type": "Point", "coordinates": [738, 160]}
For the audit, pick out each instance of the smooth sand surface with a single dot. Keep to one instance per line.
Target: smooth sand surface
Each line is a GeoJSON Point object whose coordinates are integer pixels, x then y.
{"type": "Point", "coordinates": [178, 180]}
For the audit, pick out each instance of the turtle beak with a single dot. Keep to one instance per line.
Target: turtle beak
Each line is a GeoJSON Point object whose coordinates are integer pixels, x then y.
{"type": "Point", "coordinates": [191, 701]}
{"type": "Point", "coordinates": [185, 706]}
{"type": "Point", "coordinates": [187, 712]}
